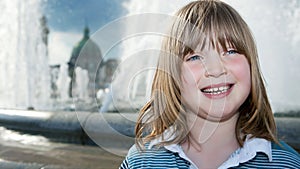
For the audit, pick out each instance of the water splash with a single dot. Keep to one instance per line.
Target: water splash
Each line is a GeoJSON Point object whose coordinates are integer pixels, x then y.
{"type": "Point", "coordinates": [63, 83]}
{"type": "Point", "coordinates": [82, 80]}
{"type": "Point", "coordinates": [24, 72]}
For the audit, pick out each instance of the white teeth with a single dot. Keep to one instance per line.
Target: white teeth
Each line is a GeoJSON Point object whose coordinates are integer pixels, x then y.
{"type": "Point", "coordinates": [216, 90]}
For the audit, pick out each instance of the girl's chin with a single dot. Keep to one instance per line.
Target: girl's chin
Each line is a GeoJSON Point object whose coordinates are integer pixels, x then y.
{"type": "Point", "coordinates": [216, 117]}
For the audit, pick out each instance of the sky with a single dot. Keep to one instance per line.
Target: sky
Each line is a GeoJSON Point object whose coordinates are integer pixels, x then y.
{"type": "Point", "coordinates": [66, 20]}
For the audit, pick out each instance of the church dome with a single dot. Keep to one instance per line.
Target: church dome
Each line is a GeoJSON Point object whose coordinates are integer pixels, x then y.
{"type": "Point", "coordinates": [87, 55]}
{"type": "Point", "coordinates": [89, 52]}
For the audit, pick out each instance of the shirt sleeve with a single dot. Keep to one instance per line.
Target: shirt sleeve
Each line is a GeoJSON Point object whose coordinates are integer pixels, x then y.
{"type": "Point", "coordinates": [124, 164]}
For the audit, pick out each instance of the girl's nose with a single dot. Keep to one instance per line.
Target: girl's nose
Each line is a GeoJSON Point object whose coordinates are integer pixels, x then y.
{"type": "Point", "coordinates": [214, 66]}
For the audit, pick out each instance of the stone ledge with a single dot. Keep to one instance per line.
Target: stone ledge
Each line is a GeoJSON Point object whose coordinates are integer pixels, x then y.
{"type": "Point", "coordinates": [85, 128]}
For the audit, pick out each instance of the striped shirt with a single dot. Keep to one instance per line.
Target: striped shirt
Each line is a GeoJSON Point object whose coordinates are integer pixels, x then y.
{"type": "Point", "coordinates": [256, 153]}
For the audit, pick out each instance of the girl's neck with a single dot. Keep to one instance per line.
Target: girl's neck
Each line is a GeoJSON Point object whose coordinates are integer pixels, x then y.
{"type": "Point", "coordinates": [210, 140]}
{"type": "Point", "coordinates": [205, 133]}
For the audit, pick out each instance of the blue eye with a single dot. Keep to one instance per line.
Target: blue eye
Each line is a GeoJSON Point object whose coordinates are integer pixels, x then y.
{"type": "Point", "coordinates": [194, 57]}
{"type": "Point", "coordinates": [231, 52]}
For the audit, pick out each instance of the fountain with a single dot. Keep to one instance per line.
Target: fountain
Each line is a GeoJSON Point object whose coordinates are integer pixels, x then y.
{"type": "Point", "coordinates": [24, 72]}
{"type": "Point", "coordinates": [82, 80]}
{"type": "Point", "coordinates": [63, 83]}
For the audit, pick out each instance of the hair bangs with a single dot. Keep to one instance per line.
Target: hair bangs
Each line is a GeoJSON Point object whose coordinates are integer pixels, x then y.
{"type": "Point", "coordinates": [216, 25]}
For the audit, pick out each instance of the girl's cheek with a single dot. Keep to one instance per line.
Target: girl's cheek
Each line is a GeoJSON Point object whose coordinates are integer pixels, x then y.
{"type": "Point", "coordinates": [241, 69]}
{"type": "Point", "coordinates": [190, 74]}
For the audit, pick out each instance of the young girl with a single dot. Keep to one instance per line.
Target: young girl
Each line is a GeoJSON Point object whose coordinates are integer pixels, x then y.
{"type": "Point", "coordinates": [209, 107]}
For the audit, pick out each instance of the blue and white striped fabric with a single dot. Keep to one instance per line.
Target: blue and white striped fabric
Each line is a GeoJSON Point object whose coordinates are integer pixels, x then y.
{"type": "Point", "coordinates": [153, 158]}
{"type": "Point", "coordinates": [279, 157]}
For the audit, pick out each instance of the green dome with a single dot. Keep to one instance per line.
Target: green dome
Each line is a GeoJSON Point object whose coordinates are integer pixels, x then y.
{"type": "Point", "coordinates": [87, 55]}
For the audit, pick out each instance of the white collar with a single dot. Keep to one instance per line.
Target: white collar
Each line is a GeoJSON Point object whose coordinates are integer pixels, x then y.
{"type": "Point", "coordinates": [247, 152]}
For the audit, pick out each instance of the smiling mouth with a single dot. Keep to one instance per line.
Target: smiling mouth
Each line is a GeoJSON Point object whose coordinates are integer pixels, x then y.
{"type": "Point", "coordinates": [215, 90]}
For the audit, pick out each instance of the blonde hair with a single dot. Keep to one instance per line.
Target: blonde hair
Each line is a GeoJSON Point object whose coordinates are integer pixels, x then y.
{"type": "Point", "coordinates": [196, 22]}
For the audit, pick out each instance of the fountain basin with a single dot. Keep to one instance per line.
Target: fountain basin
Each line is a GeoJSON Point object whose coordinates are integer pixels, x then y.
{"type": "Point", "coordinates": [88, 128]}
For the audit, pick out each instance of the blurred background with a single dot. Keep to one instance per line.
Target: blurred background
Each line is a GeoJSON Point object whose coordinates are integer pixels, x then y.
{"type": "Point", "coordinates": [73, 74]}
